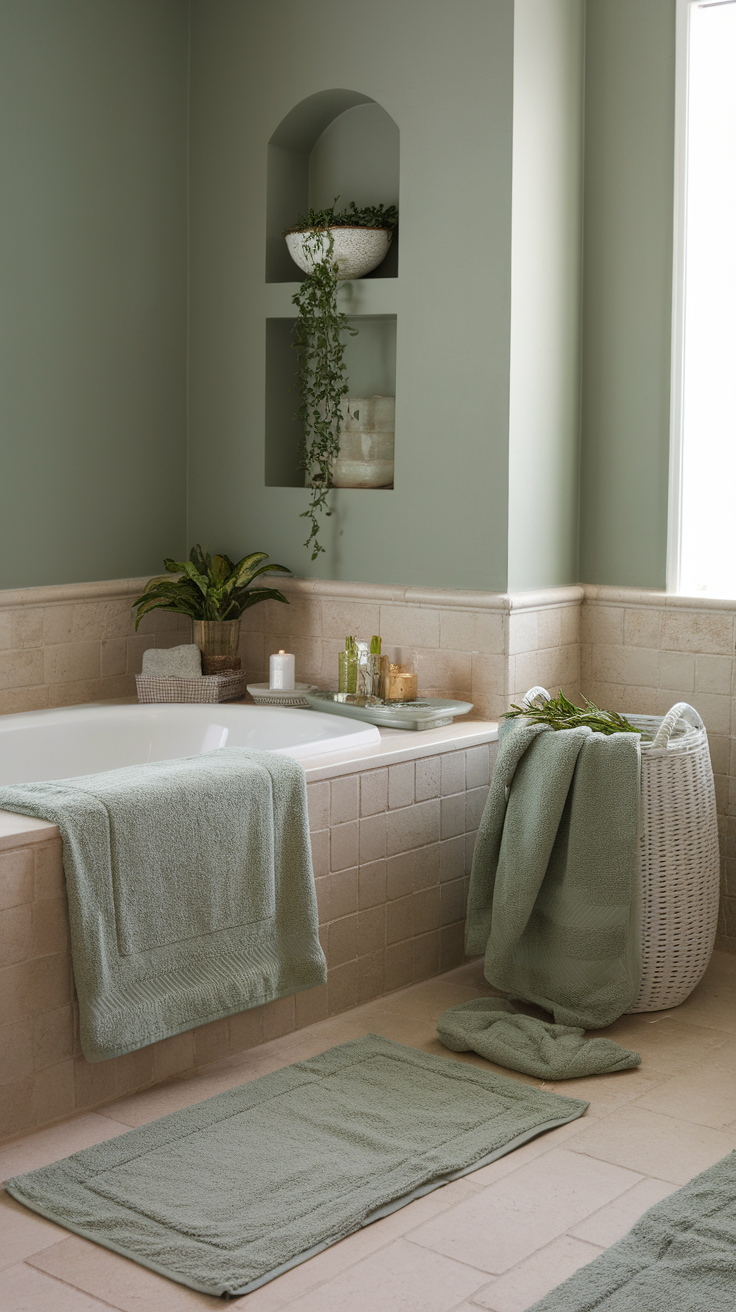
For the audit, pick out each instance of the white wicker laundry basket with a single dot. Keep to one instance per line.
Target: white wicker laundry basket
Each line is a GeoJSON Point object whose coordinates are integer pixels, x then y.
{"type": "Point", "coordinates": [677, 856]}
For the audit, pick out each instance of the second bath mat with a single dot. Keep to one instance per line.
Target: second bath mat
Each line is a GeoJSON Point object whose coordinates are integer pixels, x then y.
{"type": "Point", "coordinates": [227, 1194]}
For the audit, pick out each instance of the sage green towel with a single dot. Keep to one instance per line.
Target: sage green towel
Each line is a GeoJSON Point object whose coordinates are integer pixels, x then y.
{"type": "Point", "coordinates": [679, 1257]}
{"type": "Point", "coordinates": [492, 1028]}
{"type": "Point", "coordinates": [233, 1191]}
{"type": "Point", "coordinates": [190, 888]}
{"type": "Point", "coordinates": [553, 891]}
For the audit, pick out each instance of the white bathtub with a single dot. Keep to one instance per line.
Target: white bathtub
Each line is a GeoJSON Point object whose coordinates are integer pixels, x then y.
{"type": "Point", "coordinates": [78, 740]}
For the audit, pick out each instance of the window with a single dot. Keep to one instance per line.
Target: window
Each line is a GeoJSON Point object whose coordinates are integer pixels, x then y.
{"type": "Point", "coordinates": [703, 480]}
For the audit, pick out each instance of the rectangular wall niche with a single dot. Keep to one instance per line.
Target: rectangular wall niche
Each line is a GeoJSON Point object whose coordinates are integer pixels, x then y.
{"type": "Point", "coordinates": [371, 363]}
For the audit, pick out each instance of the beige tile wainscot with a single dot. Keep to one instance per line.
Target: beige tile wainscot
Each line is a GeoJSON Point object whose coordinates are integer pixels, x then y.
{"type": "Point", "coordinates": [644, 651]}
{"type": "Point", "coordinates": [392, 835]}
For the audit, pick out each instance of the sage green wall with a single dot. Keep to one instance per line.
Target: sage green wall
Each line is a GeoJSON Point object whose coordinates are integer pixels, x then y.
{"type": "Point", "coordinates": [444, 75]}
{"type": "Point", "coordinates": [546, 247]}
{"type": "Point", "coordinates": [93, 259]}
{"type": "Point", "coordinates": [630, 89]}
{"type": "Point", "coordinates": [93, 135]}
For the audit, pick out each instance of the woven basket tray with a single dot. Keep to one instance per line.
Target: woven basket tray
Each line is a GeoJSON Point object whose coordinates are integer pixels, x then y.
{"type": "Point", "coordinates": [209, 688]}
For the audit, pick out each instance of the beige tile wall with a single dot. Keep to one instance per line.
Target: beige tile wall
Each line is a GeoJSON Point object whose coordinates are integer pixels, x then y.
{"type": "Point", "coordinates": [623, 648]}
{"type": "Point", "coordinates": [486, 648]}
{"type": "Point", "coordinates": [76, 643]}
{"type": "Point", "coordinates": [391, 851]}
{"type": "Point", "coordinates": [644, 651]}
{"type": "Point", "coordinates": [391, 846]}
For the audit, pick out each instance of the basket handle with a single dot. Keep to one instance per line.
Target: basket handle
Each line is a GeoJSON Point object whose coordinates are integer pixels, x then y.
{"type": "Point", "coordinates": [681, 710]}
{"type": "Point", "coordinates": [533, 693]}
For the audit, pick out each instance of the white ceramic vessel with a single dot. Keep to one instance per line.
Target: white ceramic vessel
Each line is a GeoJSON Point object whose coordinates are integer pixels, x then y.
{"type": "Point", "coordinates": [366, 456]}
{"type": "Point", "coordinates": [78, 740]}
{"type": "Point", "coordinates": [355, 251]}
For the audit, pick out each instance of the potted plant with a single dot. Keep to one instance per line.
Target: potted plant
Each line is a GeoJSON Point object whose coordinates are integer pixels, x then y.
{"type": "Point", "coordinates": [213, 592]}
{"type": "Point", "coordinates": [360, 238]}
{"type": "Point", "coordinates": [329, 247]}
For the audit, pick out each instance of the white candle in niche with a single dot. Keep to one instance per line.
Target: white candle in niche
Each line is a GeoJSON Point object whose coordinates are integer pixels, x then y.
{"type": "Point", "coordinates": [281, 671]}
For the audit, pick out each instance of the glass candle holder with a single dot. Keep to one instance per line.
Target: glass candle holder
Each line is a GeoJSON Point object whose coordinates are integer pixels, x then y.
{"type": "Point", "coordinates": [401, 683]}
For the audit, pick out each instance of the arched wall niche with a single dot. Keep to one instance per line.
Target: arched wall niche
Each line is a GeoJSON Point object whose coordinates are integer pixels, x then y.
{"type": "Point", "coordinates": [334, 143]}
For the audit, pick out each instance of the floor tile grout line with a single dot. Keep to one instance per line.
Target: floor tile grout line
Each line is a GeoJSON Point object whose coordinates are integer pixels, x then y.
{"type": "Point", "coordinates": [603, 1206]}
{"type": "Point", "coordinates": [60, 1280]}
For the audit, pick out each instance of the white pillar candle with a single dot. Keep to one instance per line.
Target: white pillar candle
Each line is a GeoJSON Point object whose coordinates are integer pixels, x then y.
{"type": "Point", "coordinates": [281, 671]}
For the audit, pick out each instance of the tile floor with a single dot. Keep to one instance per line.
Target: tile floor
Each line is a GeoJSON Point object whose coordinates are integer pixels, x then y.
{"type": "Point", "coordinates": [496, 1239]}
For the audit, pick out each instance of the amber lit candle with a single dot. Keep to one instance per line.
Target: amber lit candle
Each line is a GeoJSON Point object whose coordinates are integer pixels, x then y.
{"type": "Point", "coordinates": [402, 684]}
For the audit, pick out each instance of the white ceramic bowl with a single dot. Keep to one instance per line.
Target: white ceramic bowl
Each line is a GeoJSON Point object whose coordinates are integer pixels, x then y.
{"type": "Point", "coordinates": [355, 251]}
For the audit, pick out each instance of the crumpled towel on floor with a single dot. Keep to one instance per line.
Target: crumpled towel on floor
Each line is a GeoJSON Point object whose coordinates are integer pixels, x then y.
{"type": "Point", "coordinates": [491, 1027]}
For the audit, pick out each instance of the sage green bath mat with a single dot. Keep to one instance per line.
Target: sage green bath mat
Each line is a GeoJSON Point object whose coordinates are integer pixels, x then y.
{"type": "Point", "coordinates": [679, 1257]}
{"type": "Point", "coordinates": [227, 1194]}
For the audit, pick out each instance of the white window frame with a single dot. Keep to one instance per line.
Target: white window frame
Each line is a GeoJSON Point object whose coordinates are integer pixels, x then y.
{"type": "Point", "coordinates": [679, 246]}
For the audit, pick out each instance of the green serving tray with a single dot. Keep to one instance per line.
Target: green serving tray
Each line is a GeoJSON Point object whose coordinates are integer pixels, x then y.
{"type": "Point", "coordinates": [427, 713]}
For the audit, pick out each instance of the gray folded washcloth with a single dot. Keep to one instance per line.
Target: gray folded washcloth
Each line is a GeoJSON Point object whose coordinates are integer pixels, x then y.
{"type": "Point", "coordinates": [183, 662]}
{"type": "Point", "coordinates": [491, 1027]}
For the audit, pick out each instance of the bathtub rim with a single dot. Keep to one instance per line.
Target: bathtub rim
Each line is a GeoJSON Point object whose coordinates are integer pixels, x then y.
{"type": "Point", "coordinates": [395, 747]}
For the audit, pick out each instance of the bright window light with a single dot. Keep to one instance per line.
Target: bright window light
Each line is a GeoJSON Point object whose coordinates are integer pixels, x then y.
{"type": "Point", "coordinates": [707, 494]}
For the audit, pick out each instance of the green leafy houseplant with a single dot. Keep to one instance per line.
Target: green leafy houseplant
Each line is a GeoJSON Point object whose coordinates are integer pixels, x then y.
{"type": "Point", "coordinates": [559, 713]}
{"type": "Point", "coordinates": [370, 216]}
{"type": "Point", "coordinates": [208, 587]}
{"type": "Point", "coordinates": [319, 340]}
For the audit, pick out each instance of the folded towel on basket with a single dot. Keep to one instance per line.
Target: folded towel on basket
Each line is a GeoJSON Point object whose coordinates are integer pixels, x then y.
{"type": "Point", "coordinates": [184, 662]}
{"type": "Point", "coordinates": [553, 900]}
{"type": "Point", "coordinates": [191, 893]}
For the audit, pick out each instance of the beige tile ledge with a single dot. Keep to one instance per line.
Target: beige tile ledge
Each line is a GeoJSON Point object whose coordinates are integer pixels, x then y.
{"type": "Point", "coordinates": [58, 593]}
{"type": "Point", "coordinates": [544, 598]}
{"type": "Point", "coordinates": [460, 598]}
{"type": "Point", "coordinates": [398, 745]}
{"type": "Point", "coordinates": [20, 830]}
{"type": "Point", "coordinates": [610, 596]}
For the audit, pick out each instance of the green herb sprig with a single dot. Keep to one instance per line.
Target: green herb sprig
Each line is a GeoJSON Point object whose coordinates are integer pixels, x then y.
{"type": "Point", "coordinates": [559, 713]}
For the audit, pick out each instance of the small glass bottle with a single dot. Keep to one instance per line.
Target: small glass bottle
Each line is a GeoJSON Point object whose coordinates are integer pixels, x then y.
{"type": "Point", "coordinates": [347, 667]}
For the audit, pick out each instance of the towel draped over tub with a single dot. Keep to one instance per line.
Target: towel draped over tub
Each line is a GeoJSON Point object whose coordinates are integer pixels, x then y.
{"type": "Point", "coordinates": [190, 889]}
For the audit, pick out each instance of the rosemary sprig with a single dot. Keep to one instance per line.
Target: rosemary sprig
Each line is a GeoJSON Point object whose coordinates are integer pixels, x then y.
{"type": "Point", "coordinates": [560, 713]}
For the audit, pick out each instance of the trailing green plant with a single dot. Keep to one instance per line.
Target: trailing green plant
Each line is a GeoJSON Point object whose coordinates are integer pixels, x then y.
{"type": "Point", "coordinates": [319, 341]}
{"type": "Point", "coordinates": [369, 216]}
{"type": "Point", "coordinates": [559, 713]}
{"type": "Point", "coordinates": [319, 335]}
{"type": "Point", "coordinates": [209, 587]}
